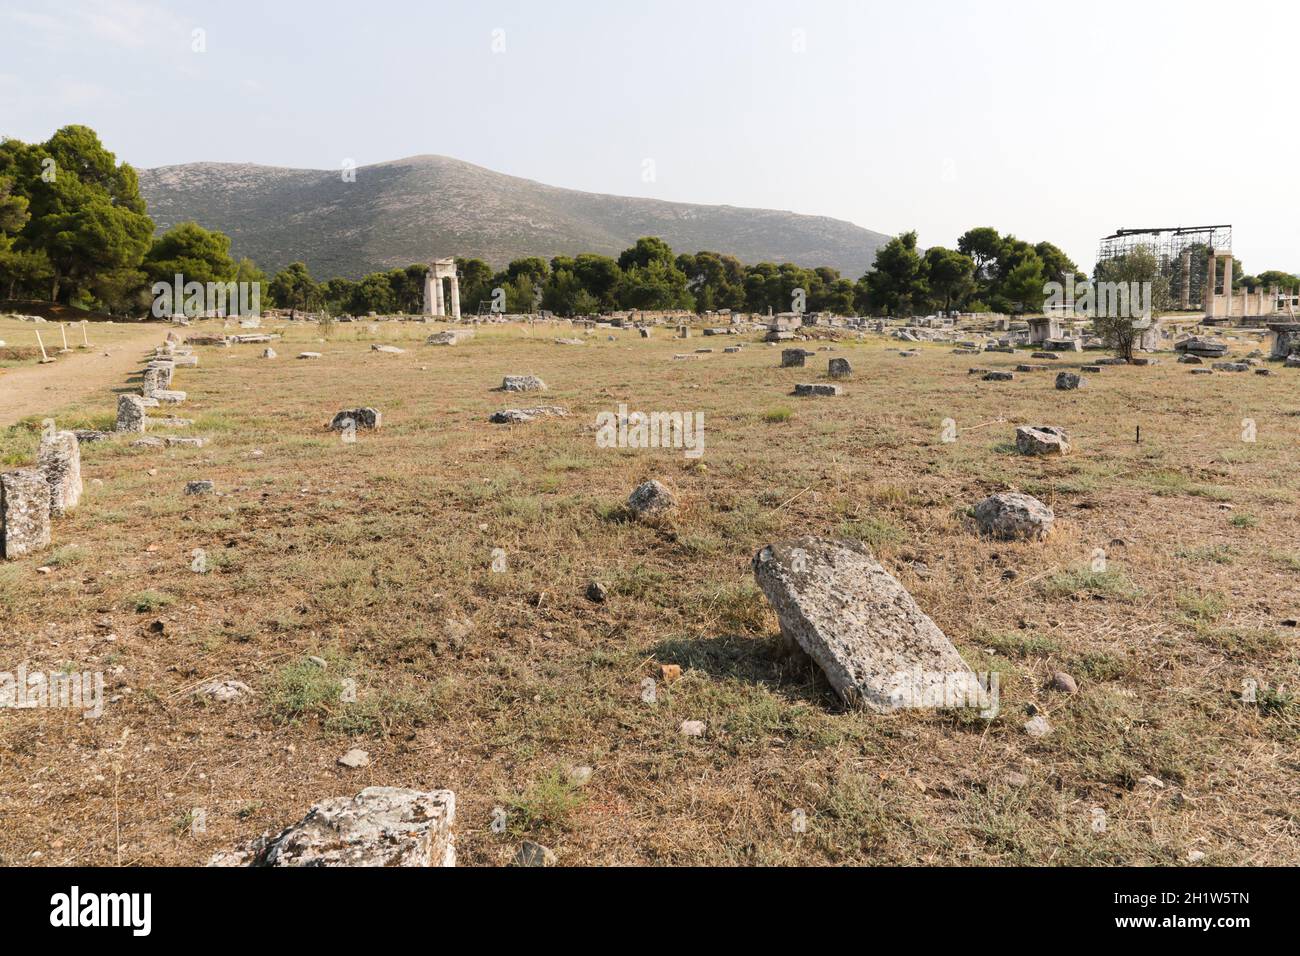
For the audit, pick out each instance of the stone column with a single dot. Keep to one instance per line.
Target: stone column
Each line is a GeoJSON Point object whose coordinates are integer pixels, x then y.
{"type": "Point", "coordinates": [1187, 280]}
{"type": "Point", "coordinates": [428, 293]}
{"type": "Point", "coordinates": [439, 297]}
{"type": "Point", "coordinates": [1227, 282]}
{"type": "Point", "coordinates": [455, 297]}
{"type": "Point", "coordinates": [1211, 264]}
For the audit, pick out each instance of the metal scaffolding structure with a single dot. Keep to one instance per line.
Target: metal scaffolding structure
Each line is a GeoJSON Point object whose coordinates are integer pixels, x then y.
{"type": "Point", "coordinates": [1183, 253]}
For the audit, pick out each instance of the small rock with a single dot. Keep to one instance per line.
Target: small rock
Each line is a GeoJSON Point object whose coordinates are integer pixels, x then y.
{"type": "Point", "coordinates": [534, 854]}
{"type": "Point", "coordinates": [596, 592]}
{"type": "Point", "coordinates": [522, 383]}
{"type": "Point", "coordinates": [1041, 440]}
{"type": "Point", "coordinates": [1195, 856]}
{"type": "Point", "coordinates": [670, 673]}
{"type": "Point", "coordinates": [355, 759]}
{"type": "Point", "coordinates": [1064, 683]}
{"type": "Point", "coordinates": [692, 728]}
{"type": "Point", "coordinates": [651, 499]}
{"type": "Point", "coordinates": [580, 776]}
{"type": "Point", "coordinates": [225, 691]}
{"type": "Point", "coordinates": [199, 487]}
{"type": "Point", "coordinates": [1014, 515]}
{"type": "Point", "coordinates": [1038, 726]}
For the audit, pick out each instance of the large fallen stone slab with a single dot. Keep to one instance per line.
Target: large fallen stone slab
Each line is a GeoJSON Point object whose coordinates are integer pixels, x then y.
{"type": "Point", "coordinates": [520, 416]}
{"type": "Point", "coordinates": [59, 460]}
{"type": "Point", "coordinates": [878, 649]}
{"type": "Point", "coordinates": [806, 389]}
{"type": "Point", "coordinates": [1204, 347]}
{"type": "Point", "coordinates": [380, 826]}
{"type": "Point", "coordinates": [449, 337]}
{"type": "Point", "coordinates": [24, 513]}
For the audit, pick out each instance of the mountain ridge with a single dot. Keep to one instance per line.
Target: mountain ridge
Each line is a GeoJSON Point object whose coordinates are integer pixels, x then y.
{"type": "Point", "coordinates": [427, 206]}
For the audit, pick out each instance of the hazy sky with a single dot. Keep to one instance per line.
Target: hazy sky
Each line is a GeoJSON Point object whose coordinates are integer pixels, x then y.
{"type": "Point", "coordinates": [1049, 120]}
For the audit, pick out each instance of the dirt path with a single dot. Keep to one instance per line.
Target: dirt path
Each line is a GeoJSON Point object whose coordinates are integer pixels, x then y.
{"type": "Point", "coordinates": [40, 389]}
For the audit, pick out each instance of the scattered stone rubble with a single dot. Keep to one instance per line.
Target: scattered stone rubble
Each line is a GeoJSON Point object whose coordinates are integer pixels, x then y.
{"type": "Point", "coordinates": [380, 826]}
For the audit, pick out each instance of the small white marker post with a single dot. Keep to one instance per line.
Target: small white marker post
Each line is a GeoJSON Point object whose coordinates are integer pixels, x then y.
{"type": "Point", "coordinates": [85, 339]}
{"type": "Point", "coordinates": [63, 330]}
{"type": "Point", "coordinates": [45, 359]}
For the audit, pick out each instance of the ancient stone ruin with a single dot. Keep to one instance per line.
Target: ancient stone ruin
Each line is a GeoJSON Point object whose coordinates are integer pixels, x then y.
{"type": "Point", "coordinates": [837, 604]}
{"type": "Point", "coordinates": [380, 826]}
{"type": "Point", "coordinates": [24, 512]}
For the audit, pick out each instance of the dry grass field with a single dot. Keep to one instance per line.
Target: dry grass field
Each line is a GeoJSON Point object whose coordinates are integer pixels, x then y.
{"type": "Point", "coordinates": [378, 558]}
{"type": "Point", "coordinates": [21, 347]}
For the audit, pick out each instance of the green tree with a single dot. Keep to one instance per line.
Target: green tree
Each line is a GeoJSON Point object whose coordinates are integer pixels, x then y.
{"type": "Point", "coordinates": [521, 294]}
{"type": "Point", "coordinates": [983, 245]}
{"type": "Point", "coordinates": [1285, 281]}
{"type": "Point", "coordinates": [716, 281]}
{"type": "Point", "coordinates": [86, 213]}
{"type": "Point", "coordinates": [600, 276]}
{"type": "Point", "coordinates": [293, 288]}
{"type": "Point", "coordinates": [336, 295]}
{"type": "Point", "coordinates": [1120, 328]}
{"type": "Point", "coordinates": [561, 292]}
{"type": "Point", "coordinates": [1022, 288]}
{"type": "Point", "coordinates": [247, 271]}
{"type": "Point", "coordinates": [648, 249]}
{"type": "Point", "coordinates": [763, 288]}
{"type": "Point", "coordinates": [657, 285]}
{"type": "Point", "coordinates": [374, 293]}
{"type": "Point", "coordinates": [950, 274]}
{"type": "Point", "coordinates": [475, 284]}
{"type": "Point", "coordinates": [19, 269]}
{"type": "Point", "coordinates": [534, 268]}
{"type": "Point", "coordinates": [192, 252]}
{"type": "Point", "coordinates": [896, 283]}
